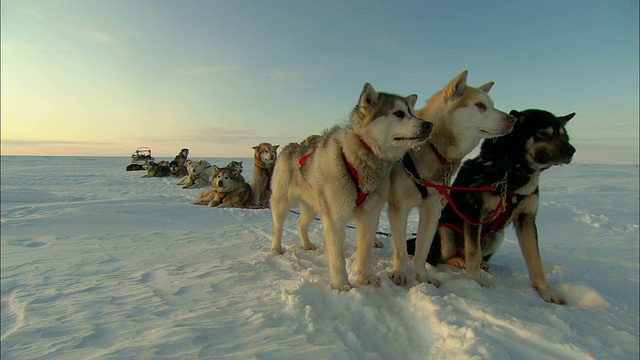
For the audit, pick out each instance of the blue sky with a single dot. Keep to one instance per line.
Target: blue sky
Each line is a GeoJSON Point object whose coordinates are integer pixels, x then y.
{"type": "Point", "coordinates": [218, 77]}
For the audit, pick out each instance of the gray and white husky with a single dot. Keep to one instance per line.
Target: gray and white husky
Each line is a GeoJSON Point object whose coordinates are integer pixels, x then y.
{"type": "Point", "coordinates": [462, 115]}
{"type": "Point", "coordinates": [344, 175]}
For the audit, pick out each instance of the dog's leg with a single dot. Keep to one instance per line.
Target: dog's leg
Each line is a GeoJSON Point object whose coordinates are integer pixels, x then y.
{"type": "Point", "coordinates": [398, 223]}
{"type": "Point", "coordinates": [447, 243]}
{"type": "Point", "coordinates": [334, 234]}
{"type": "Point", "coordinates": [279, 211]}
{"type": "Point", "coordinates": [366, 225]}
{"type": "Point", "coordinates": [525, 225]}
{"type": "Point", "coordinates": [307, 214]}
{"type": "Point", "coordinates": [473, 253]}
{"type": "Point", "coordinates": [188, 184]}
{"type": "Point", "coordinates": [256, 188]}
{"type": "Point", "coordinates": [427, 226]}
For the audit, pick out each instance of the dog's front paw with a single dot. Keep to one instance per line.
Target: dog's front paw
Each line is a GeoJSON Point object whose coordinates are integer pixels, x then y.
{"type": "Point", "coordinates": [429, 280]}
{"type": "Point", "coordinates": [399, 278]}
{"type": "Point", "coordinates": [456, 262]}
{"type": "Point", "coordinates": [549, 295]}
{"type": "Point", "coordinates": [484, 265]}
{"type": "Point", "coordinates": [378, 244]}
{"type": "Point", "coordinates": [309, 246]}
{"type": "Point", "coordinates": [278, 250]}
{"type": "Point", "coordinates": [479, 277]}
{"type": "Point", "coordinates": [342, 287]}
{"type": "Point", "coordinates": [369, 280]}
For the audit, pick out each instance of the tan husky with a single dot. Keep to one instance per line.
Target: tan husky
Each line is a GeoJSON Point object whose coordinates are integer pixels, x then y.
{"type": "Point", "coordinates": [345, 175]}
{"type": "Point", "coordinates": [462, 116]}
{"type": "Point", "coordinates": [264, 158]}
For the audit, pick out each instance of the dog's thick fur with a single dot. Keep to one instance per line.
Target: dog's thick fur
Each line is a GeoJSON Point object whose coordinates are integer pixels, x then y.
{"type": "Point", "coordinates": [310, 141]}
{"type": "Point", "coordinates": [264, 159]}
{"type": "Point", "coordinates": [462, 116]}
{"type": "Point", "coordinates": [230, 188]}
{"type": "Point", "coordinates": [381, 129]}
{"type": "Point", "coordinates": [200, 172]}
{"type": "Point", "coordinates": [206, 196]}
{"type": "Point", "coordinates": [538, 141]}
{"type": "Point", "coordinates": [156, 170]}
{"type": "Point", "coordinates": [236, 165]}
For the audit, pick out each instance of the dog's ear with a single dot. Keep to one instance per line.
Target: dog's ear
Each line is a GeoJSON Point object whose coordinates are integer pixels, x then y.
{"type": "Point", "coordinates": [369, 97]}
{"type": "Point", "coordinates": [565, 119]}
{"type": "Point", "coordinates": [216, 170]}
{"type": "Point", "coordinates": [275, 147]}
{"type": "Point", "coordinates": [256, 147]}
{"type": "Point", "coordinates": [456, 86]}
{"type": "Point", "coordinates": [515, 113]}
{"type": "Point", "coordinates": [411, 100]}
{"type": "Point", "coordinates": [486, 87]}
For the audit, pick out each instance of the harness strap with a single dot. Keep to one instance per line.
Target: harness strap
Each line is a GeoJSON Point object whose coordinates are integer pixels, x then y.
{"type": "Point", "coordinates": [356, 179]}
{"type": "Point", "coordinates": [498, 221]}
{"type": "Point", "coordinates": [444, 191]}
{"type": "Point", "coordinates": [303, 159]}
{"type": "Point", "coordinates": [352, 171]}
{"type": "Point", "coordinates": [269, 173]}
{"type": "Point", "coordinates": [443, 160]}
{"type": "Point", "coordinates": [410, 166]}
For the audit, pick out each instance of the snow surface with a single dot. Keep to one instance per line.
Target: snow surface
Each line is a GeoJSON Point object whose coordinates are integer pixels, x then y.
{"type": "Point", "coordinates": [100, 263]}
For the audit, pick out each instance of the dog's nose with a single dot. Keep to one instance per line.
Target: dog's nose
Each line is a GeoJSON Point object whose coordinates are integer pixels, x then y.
{"type": "Point", "coordinates": [571, 150]}
{"type": "Point", "coordinates": [426, 128]}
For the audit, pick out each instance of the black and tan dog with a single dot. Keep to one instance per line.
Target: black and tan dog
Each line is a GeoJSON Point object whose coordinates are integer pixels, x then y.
{"type": "Point", "coordinates": [156, 170]}
{"type": "Point", "coordinates": [182, 156]}
{"type": "Point", "coordinates": [512, 165]}
{"type": "Point", "coordinates": [230, 188]}
{"type": "Point", "coordinates": [178, 170]}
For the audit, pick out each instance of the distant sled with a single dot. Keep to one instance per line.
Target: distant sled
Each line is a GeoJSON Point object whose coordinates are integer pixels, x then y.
{"type": "Point", "coordinates": [140, 158]}
{"type": "Point", "coordinates": [142, 155]}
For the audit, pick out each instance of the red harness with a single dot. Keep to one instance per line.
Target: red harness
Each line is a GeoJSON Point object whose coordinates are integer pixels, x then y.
{"type": "Point", "coordinates": [352, 171]}
{"type": "Point", "coordinates": [499, 216]}
{"type": "Point", "coordinates": [497, 221]}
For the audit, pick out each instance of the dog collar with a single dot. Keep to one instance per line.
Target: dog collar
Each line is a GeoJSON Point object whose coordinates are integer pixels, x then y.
{"type": "Point", "coordinates": [443, 160]}
{"type": "Point", "coordinates": [364, 143]}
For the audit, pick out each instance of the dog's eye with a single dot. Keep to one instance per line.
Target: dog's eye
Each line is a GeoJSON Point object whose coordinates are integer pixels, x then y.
{"type": "Point", "coordinates": [481, 106]}
{"type": "Point", "coordinates": [543, 135]}
{"type": "Point", "coordinates": [400, 114]}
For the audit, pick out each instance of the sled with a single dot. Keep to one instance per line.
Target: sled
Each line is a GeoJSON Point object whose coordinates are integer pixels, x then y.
{"type": "Point", "coordinates": [142, 155]}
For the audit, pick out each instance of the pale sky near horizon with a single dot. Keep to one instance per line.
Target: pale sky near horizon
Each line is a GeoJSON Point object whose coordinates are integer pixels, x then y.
{"type": "Point", "coordinates": [87, 77]}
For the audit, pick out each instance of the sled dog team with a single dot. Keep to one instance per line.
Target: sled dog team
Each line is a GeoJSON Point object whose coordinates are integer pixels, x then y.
{"type": "Point", "coordinates": [390, 153]}
{"type": "Point", "coordinates": [229, 188]}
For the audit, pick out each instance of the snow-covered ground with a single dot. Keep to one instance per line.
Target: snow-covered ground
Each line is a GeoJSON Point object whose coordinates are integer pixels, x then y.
{"type": "Point", "coordinates": [100, 263]}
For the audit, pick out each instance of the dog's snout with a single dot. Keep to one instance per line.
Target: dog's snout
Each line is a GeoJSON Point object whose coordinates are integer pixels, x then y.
{"type": "Point", "coordinates": [426, 128]}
